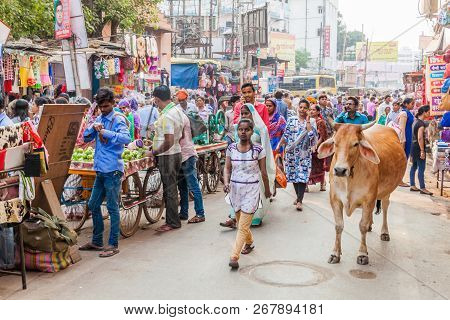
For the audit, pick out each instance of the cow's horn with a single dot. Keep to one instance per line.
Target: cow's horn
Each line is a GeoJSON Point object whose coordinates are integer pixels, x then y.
{"type": "Point", "coordinates": [368, 125]}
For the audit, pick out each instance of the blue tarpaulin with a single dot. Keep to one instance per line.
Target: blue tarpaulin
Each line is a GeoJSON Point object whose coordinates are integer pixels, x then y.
{"type": "Point", "coordinates": [185, 75]}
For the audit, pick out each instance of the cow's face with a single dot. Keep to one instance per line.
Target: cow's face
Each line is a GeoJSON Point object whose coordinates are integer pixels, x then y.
{"type": "Point", "coordinates": [347, 145]}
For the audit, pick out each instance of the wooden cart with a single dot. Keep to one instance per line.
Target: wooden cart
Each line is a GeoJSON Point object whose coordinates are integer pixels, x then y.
{"type": "Point", "coordinates": [210, 165]}
{"type": "Point", "coordinates": [141, 192]}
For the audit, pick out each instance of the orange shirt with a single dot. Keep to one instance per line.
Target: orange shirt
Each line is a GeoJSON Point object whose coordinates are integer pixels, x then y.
{"type": "Point", "coordinates": [260, 108]}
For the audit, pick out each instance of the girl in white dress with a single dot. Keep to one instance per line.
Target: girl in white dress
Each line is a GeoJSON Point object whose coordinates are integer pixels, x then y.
{"type": "Point", "coordinates": [245, 164]}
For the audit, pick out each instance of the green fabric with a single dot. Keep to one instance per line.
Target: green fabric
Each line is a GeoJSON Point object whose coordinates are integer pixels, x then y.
{"type": "Point", "coordinates": [130, 119]}
{"type": "Point", "coordinates": [382, 120]}
{"type": "Point", "coordinates": [168, 107]}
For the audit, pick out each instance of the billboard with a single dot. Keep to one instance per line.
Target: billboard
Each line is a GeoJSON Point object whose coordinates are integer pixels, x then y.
{"type": "Point", "coordinates": [282, 46]}
{"type": "Point", "coordinates": [327, 40]}
{"type": "Point", "coordinates": [378, 51]}
{"type": "Point", "coordinates": [62, 19]}
{"type": "Point", "coordinates": [434, 79]}
{"type": "Point", "coordinates": [254, 24]}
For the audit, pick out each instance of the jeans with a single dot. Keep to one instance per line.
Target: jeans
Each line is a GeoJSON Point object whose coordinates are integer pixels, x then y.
{"type": "Point", "coordinates": [417, 164]}
{"type": "Point", "coordinates": [6, 248]}
{"type": "Point", "coordinates": [187, 180]}
{"type": "Point", "coordinates": [106, 184]}
{"type": "Point", "coordinates": [169, 167]}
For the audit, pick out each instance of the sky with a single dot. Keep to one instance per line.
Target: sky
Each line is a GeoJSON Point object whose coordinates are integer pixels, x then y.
{"type": "Point", "coordinates": [385, 19]}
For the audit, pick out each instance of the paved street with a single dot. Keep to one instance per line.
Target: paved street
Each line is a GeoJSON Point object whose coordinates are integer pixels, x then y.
{"type": "Point", "coordinates": [289, 262]}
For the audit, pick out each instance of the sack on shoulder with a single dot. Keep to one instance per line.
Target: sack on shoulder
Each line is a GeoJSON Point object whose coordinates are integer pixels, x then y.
{"type": "Point", "coordinates": [47, 233]}
{"type": "Point", "coordinates": [197, 125]}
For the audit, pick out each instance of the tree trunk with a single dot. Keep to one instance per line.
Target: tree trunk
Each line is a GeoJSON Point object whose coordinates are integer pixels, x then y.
{"type": "Point", "coordinates": [114, 27]}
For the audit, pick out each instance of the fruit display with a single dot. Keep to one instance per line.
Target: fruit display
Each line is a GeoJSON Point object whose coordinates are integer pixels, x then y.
{"type": "Point", "coordinates": [129, 155]}
{"type": "Point", "coordinates": [83, 155]}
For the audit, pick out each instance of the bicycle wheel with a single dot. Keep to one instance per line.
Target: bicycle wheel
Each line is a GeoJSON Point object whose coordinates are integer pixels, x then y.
{"type": "Point", "coordinates": [131, 211]}
{"type": "Point", "coordinates": [154, 206]}
{"type": "Point", "coordinates": [212, 173]}
{"type": "Point", "coordinates": [74, 201]}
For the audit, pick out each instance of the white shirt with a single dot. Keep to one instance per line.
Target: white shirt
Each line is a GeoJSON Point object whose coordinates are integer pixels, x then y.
{"type": "Point", "coordinates": [170, 122]}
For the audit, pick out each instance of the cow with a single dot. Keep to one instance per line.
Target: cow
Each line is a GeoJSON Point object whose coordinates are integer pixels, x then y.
{"type": "Point", "coordinates": [368, 164]}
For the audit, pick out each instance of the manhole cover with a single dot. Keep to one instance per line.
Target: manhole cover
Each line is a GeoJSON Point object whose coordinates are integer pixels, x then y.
{"type": "Point", "coordinates": [286, 274]}
{"type": "Point", "coordinates": [361, 274]}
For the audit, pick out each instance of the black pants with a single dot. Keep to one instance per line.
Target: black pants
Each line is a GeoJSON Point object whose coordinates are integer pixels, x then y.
{"type": "Point", "coordinates": [169, 167]}
{"type": "Point", "coordinates": [300, 190]}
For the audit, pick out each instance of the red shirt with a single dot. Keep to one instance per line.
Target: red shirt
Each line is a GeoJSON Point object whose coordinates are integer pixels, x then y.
{"type": "Point", "coordinates": [261, 108]}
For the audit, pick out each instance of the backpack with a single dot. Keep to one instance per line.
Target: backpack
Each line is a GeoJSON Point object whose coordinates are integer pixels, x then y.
{"type": "Point", "coordinates": [198, 127]}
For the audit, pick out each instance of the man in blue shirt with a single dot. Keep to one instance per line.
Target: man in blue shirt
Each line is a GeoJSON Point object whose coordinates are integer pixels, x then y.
{"type": "Point", "coordinates": [148, 115]}
{"type": "Point", "coordinates": [110, 131]}
{"type": "Point", "coordinates": [4, 119]}
{"type": "Point", "coordinates": [281, 105]}
{"type": "Point", "coordinates": [350, 115]}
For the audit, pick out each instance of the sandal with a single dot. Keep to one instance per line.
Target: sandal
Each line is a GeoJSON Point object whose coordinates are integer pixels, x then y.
{"type": "Point", "coordinates": [165, 227]}
{"type": "Point", "coordinates": [196, 219]}
{"type": "Point", "coordinates": [247, 249]}
{"type": "Point", "coordinates": [403, 184]}
{"type": "Point", "coordinates": [323, 188]}
{"type": "Point", "coordinates": [414, 188]}
{"type": "Point", "coordinates": [234, 264]}
{"type": "Point", "coordinates": [90, 247]}
{"type": "Point", "coordinates": [299, 206]}
{"type": "Point", "coordinates": [425, 191]}
{"type": "Point", "coordinates": [109, 252]}
{"type": "Point", "coordinates": [230, 223]}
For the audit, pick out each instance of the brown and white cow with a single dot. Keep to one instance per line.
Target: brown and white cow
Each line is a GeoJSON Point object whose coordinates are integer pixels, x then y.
{"type": "Point", "coordinates": [368, 164]}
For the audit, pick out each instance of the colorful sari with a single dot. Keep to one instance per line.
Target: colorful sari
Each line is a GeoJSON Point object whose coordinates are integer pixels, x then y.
{"type": "Point", "coordinates": [277, 125]}
{"type": "Point", "coordinates": [319, 165]}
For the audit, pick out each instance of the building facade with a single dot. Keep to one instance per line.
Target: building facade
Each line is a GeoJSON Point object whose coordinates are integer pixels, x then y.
{"type": "Point", "coordinates": [306, 21]}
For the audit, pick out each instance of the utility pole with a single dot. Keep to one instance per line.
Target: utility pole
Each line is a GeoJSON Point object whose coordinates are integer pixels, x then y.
{"type": "Point", "coordinates": [73, 60]}
{"type": "Point", "coordinates": [365, 61]}
{"type": "Point", "coordinates": [233, 33]}
{"type": "Point", "coordinates": [241, 45]}
{"type": "Point", "coordinates": [320, 47]}
{"type": "Point", "coordinates": [322, 36]}
{"type": "Point", "coordinates": [306, 24]}
{"type": "Point", "coordinates": [200, 25]}
{"type": "Point", "coordinates": [210, 27]}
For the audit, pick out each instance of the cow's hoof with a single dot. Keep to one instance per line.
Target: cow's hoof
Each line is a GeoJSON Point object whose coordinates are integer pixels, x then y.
{"type": "Point", "coordinates": [370, 228]}
{"type": "Point", "coordinates": [334, 259]}
{"type": "Point", "coordinates": [362, 260]}
{"type": "Point", "coordinates": [385, 237]}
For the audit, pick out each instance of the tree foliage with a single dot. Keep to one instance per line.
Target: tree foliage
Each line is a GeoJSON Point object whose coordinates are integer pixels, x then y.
{"type": "Point", "coordinates": [301, 59]}
{"type": "Point", "coordinates": [351, 37]}
{"type": "Point", "coordinates": [35, 18]}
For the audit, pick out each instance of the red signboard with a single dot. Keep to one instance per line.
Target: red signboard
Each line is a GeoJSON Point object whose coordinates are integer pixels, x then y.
{"type": "Point", "coordinates": [327, 41]}
{"type": "Point", "coordinates": [62, 19]}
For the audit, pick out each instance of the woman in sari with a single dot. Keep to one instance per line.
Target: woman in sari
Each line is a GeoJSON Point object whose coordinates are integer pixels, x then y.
{"type": "Point", "coordinates": [277, 123]}
{"type": "Point", "coordinates": [318, 165]}
{"type": "Point", "coordinates": [125, 109]}
{"type": "Point", "coordinates": [300, 136]}
{"type": "Point", "coordinates": [261, 137]}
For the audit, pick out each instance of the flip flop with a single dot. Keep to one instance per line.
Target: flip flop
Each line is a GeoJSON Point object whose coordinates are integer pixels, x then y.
{"type": "Point", "coordinates": [196, 219]}
{"type": "Point", "coordinates": [165, 228]}
{"type": "Point", "coordinates": [109, 252]}
{"type": "Point", "coordinates": [90, 247]}
{"type": "Point", "coordinates": [247, 249]}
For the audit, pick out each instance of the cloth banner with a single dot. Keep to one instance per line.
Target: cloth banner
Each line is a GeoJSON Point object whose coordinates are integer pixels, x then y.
{"type": "Point", "coordinates": [185, 75]}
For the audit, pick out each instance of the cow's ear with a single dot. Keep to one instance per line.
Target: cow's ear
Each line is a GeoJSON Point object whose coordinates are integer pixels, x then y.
{"type": "Point", "coordinates": [326, 149]}
{"type": "Point", "coordinates": [368, 152]}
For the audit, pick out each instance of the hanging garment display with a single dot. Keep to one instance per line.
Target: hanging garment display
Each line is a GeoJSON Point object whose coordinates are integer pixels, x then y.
{"type": "Point", "coordinates": [101, 69]}
{"type": "Point", "coordinates": [117, 65]}
{"type": "Point", "coordinates": [36, 69]}
{"type": "Point", "coordinates": [127, 40]}
{"type": "Point", "coordinates": [12, 211]}
{"type": "Point", "coordinates": [153, 48]}
{"type": "Point", "coordinates": [147, 47]}
{"type": "Point", "coordinates": [24, 70]}
{"type": "Point", "coordinates": [111, 66]}
{"type": "Point", "coordinates": [8, 67]}
{"type": "Point", "coordinates": [44, 73]}
{"type": "Point", "coordinates": [134, 46]}
{"type": "Point", "coordinates": [15, 87]}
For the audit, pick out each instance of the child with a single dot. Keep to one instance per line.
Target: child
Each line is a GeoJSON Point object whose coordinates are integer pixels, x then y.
{"type": "Point", "coordinates": [244, 163]}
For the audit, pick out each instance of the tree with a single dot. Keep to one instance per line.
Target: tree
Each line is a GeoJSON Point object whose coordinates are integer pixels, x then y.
{"type": "Point", "coordinates": [301, 59]}
{"type": "Point", "coordinates": [35, 18]}
{"type": "Point", "coordinates": [132, 15]}
{"type": "Point", "coordinates": [31, 18]}
{"type": "Point", "coordinates": [351, 38]}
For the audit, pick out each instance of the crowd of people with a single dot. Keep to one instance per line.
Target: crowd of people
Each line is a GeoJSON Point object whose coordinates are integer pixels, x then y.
{"type": "Point", "coordinates": [257, 131]}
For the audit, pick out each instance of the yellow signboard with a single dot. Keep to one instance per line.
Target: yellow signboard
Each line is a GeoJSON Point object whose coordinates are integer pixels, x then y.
{"type": "Point", "coordinates": [378, 51]}
{"type": "Point", "coordinates": [282, 46]}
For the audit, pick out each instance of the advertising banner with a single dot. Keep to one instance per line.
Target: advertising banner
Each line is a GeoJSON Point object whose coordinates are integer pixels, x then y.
{"type": "Point", "coordinates": [62, 19]}
{"type": "Point", "coordinates": [282, 46]}
{"type": "Point", "coordinates": [434, 78]}
{"type": "Point", "coordinates": [378, 51]}
{"type": "Point", "coordinates": [327, 40]}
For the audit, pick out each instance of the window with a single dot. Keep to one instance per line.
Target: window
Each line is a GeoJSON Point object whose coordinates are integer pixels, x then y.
{"type": "Point", "coordinates": [326, 82]}
{"type": "Point", "coordinates": [320, 9]}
